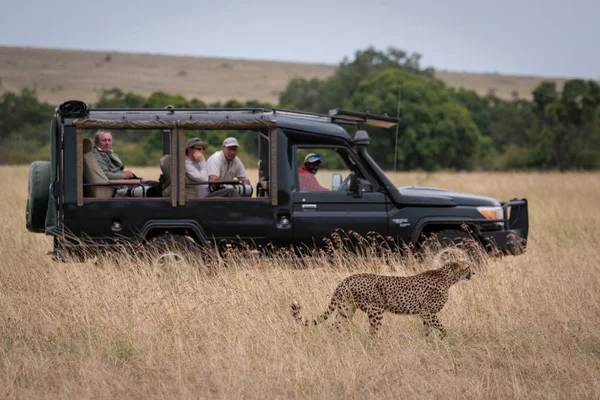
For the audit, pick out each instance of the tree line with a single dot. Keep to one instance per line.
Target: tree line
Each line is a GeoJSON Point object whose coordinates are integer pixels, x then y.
{"type": "Point", "coordinates": [440, 127]}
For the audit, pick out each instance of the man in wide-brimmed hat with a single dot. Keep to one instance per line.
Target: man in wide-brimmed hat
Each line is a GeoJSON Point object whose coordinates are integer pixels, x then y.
{"type": "Point", "coordinates": [196, 173]}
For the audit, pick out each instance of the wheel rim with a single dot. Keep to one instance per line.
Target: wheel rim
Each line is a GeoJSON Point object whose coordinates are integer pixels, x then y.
{"type": "Point", "coordinates": [451, 253]}
{"type": "Point", "coordinates": [170, 259]}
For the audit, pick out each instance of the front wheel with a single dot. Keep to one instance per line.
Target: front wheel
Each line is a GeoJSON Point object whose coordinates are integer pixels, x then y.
{"type": "Point", "coordinates": [452, 245]}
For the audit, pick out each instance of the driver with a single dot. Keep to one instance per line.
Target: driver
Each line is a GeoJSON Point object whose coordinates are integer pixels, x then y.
{"type": "Point", "coordinates": [307, 172]}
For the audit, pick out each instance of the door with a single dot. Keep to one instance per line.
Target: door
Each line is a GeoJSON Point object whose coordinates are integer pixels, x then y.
{"type": "Point", "coordinates": [321, 208]}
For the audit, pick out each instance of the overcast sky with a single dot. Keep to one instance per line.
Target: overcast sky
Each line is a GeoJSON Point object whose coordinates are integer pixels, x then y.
{"type": "Point", "coordinates": [525, 37]}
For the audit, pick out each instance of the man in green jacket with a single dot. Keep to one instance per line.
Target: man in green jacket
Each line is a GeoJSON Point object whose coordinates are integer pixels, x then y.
{"type": "Point", "coordinates": [108, 160]}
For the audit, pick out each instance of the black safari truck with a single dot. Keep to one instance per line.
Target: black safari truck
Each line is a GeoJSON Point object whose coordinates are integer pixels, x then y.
{"type": "Point", "coordinates": [80, 209]}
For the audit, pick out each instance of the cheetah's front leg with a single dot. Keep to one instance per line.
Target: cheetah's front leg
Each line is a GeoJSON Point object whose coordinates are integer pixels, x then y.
{"type": "Point", "coordinates": [375, 316]}
{"type": "Point", "coordinates": [431, 321]}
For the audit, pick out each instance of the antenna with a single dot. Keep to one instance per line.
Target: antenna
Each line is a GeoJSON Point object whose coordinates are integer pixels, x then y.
{"type": "Point", "coordinates": [396, 144]}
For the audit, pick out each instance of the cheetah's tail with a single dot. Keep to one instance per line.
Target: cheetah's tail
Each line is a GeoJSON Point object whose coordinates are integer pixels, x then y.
{"type": "Point", "coordinates": [296, 310]}
{"type": "Point", "coordinates": [296, 313]}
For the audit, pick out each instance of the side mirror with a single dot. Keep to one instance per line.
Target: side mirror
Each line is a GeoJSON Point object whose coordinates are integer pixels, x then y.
{"type": "Point", "coordinates": [336, 181]}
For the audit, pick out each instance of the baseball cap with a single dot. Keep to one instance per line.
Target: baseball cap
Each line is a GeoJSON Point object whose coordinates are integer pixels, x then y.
{"type": "Point", "coordinates": [312, 157]}
{"type": "Point", "coordinates": [230, 142]}
{"type": "Point", "coordinates": [196, 142]}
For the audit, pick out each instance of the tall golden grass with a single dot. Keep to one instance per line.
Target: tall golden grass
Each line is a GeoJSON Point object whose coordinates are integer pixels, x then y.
{"type": "Point", "coordinates": [524, 327]}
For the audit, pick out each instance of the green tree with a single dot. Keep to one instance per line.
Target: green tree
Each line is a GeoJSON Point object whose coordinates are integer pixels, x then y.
{"type": "Point", "coordinates": [301, 94]}
{"type": "Point", "coordinates": [18, 110]}
{"type": "Point", "coordinates": [436, 131]}
{"type": "Point", "coordinates": [567, 126]}
{"type": "Point", "coordinates": [162, 99]}
{"type": "Point", "coordinates": [24, 127]}
{"type": "Point", "coordinates": [322, 95]}
{"type": "Point", "coordinates": [116, 98]}
{"type": "Point", "coordinates": [196, 103]}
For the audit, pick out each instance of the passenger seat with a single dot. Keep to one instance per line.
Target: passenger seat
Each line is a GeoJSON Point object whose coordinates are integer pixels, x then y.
{"type": "Point", "coordinates": [92, 173]}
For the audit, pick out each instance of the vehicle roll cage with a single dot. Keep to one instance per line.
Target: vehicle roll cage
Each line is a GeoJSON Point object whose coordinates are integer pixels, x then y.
{"type": "Point", "coordinates": [337, 115]}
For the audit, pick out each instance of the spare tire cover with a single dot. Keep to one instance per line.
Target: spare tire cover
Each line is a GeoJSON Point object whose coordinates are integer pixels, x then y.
{"type": "Point", "coordinates": [38, 193]}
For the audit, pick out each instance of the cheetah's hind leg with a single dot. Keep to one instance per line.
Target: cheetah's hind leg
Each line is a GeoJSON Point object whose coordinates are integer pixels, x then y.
{"type": "Point", "coordinates": [345, 312]}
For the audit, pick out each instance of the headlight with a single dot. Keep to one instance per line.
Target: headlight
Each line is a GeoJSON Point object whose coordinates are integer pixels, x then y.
{"type": "Point", "coordinates": [492, 213]}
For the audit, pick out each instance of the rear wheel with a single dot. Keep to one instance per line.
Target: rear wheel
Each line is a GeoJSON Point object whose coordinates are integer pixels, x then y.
{"type": "Point", "coordinates": [168, 251]}
{"type": "Point", "coordinates": [452, 245]}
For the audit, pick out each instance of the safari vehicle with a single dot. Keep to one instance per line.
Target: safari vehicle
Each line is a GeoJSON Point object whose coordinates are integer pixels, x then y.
{"type": "Point", "coordinates": [84, 217]}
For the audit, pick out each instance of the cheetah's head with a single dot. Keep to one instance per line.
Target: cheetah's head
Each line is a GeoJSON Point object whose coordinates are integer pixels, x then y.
{"type": "Point", "coordinates": [461, 270]}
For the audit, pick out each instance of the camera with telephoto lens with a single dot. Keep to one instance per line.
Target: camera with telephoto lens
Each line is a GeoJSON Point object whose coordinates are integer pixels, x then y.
{"type": "Point", "coordinates": [242, 189]}
{"type": "Point", "coordinates": [142, 191]}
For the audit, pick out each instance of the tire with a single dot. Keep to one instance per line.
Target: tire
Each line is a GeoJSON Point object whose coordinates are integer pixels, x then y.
{"type": "Point", "coordinates": [40, 174]}
{"type": "Point", "coordinates": [172, 251]}
{"type": "Point", "coordinates": [452, 244]}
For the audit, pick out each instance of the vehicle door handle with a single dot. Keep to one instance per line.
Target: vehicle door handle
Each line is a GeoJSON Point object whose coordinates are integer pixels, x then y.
{"type": "Point", "coordinates": [309, 206]}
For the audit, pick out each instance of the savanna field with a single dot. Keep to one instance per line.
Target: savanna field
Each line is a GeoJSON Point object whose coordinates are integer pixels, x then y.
{"type": "Point", "coordinates": [523, 327]}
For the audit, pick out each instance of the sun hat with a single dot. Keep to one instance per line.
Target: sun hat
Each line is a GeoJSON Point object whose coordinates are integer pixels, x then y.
{"type": "Point", "coordinates": [312, 157]}
{"type": "Point", "coordinates": [196, 142]}
{"type": "Point", "coordinates": [230, 142]}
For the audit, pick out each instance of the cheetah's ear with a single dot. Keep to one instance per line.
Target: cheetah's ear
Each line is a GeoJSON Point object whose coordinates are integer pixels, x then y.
{"type": "Point", "coordinates": [457, 266]}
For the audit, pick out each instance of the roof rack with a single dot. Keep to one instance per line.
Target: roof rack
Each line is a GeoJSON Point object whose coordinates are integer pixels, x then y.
{"type": "Point", "coordinates": [172, 110]}
{"type": "Point", "coordinates": [78, 108]}
{"type": "Point", "coordinates": [367, 118]}
{"type": "Point", "coordinates": [303, 114]}
{"type": "Point", "coordinates": [344, 117]}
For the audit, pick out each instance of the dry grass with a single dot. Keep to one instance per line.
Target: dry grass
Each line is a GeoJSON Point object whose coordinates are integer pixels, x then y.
{"type": "Point", "coordinates": [524, 327]}
{"type": "Point", "coordinates": [60, 75]}
{"type": "Point", "coordinates": [506, 87]}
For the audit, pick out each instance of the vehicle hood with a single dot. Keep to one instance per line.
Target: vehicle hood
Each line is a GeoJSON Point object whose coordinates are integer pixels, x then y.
{"type": "Point", "coordinates": [441, 197]}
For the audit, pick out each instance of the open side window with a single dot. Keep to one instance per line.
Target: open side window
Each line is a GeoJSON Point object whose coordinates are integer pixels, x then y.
{"type": "Point", "coordinates": [329, 169]}
{"type": "Point", "coordinates": [100, 172]}
{"type": "Point", "coordinates": [166, 178]}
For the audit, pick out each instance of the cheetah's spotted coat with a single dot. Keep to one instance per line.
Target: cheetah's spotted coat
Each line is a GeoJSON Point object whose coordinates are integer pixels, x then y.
{"type": "Point", "coordinates": [424, 294]}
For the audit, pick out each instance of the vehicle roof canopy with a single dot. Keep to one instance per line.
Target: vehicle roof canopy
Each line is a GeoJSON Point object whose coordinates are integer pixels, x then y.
{"type": "Point", "coordinates": [81, 116]}
{"type": "Point", "coordinates": [212, 124]}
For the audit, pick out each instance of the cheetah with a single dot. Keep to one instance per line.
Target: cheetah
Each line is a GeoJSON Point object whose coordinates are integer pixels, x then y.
{"type": "Point", "coordinates": [424, 294]}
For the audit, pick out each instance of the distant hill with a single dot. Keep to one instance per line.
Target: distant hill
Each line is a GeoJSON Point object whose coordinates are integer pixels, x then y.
{"type": "Point", "coordinates": [59, 75]}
